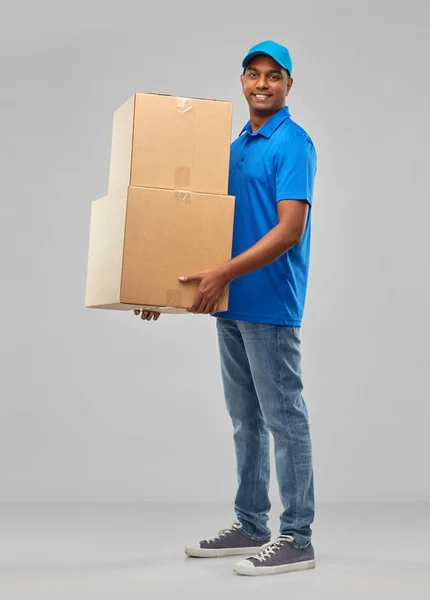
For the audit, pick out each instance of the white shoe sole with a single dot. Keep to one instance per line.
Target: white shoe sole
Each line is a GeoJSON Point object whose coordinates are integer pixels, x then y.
{"type": "Point", "coordinates": [212, 553]}
{"type": "Point", "coordinates": [249, 569]}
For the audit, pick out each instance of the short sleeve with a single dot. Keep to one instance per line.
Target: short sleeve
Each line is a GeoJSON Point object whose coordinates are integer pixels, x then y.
{"type": "Point", "coordinates": [295, 169]}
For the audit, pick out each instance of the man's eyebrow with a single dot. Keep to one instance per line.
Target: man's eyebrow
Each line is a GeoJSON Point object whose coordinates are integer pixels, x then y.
{"type": "Point", "coordinates": [271, 70]}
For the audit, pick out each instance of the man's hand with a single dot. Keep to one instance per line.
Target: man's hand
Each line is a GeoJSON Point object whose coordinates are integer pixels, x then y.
{"type": "Point", "coordinates": [147, 315]}
{"type": "Point", "coordinates": [213, 284]}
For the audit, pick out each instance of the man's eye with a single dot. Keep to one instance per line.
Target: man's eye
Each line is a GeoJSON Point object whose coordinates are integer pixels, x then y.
{"type": "Point", "coordinates": [275, 77]}
{"type": "Point", "coordinates": [252, 74]}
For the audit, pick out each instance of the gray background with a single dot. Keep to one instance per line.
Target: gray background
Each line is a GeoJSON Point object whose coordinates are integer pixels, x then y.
{"type": "Point", "coordinates": [98, 406]}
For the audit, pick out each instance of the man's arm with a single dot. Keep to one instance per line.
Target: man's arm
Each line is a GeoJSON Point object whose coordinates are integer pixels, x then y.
{"type": "Point", "coordinates": [292, 218]}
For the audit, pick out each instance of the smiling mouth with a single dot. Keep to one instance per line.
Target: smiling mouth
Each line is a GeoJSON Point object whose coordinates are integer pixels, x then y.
{"type": "Point", "coordinates": [262, 96]}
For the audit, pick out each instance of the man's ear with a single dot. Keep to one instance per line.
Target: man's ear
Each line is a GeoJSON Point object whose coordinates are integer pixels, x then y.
{"type": "Point", "coordinates": [289, 85]}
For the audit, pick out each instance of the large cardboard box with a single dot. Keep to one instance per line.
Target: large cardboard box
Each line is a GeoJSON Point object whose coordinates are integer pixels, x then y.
{"type": "Point", "coordinates": [171, 143]}
{"type": "Point", "coordinates": [143, 239]}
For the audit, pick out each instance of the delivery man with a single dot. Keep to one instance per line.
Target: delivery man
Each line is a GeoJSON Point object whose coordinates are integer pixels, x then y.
{"type": "Point", "coordinates": [272, 171]}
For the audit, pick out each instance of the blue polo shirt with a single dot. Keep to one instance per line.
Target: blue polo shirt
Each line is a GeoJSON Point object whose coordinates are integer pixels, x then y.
{"type": "Point", "coordinates": [277, 162]}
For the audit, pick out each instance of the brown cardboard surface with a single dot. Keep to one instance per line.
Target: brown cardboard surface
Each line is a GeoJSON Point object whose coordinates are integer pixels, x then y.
{"type": "Point", "coordinates": [171, 143]}
{"type": "Point", "coordinates": [155, 235]}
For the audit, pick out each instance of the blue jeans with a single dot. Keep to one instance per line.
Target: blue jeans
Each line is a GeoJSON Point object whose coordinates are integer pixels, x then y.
{"type": "Point", "coordinates": [263, 392]}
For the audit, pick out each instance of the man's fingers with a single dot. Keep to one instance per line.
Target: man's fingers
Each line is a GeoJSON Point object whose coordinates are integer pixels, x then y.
{"type": "Point", "coordinates": [154, 315]}
{"type": "Point", "coordinates": [204, 306]}
{"type": "Point", "coordinates": [196, 303]}
{"type": "Point", "coordinates": [207, 308]}
{"type": "Point", "coordinates": [147, 315]}
{"type": "Point", "coordinates": [187, 278]}
{"type": "Point", "coordinates": [214, 309]}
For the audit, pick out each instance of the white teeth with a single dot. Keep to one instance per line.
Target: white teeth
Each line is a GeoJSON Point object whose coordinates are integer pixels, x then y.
{"type": "Point", "coordinates": [261, 96]}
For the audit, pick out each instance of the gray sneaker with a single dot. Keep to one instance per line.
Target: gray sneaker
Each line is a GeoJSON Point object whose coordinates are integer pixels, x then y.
{"type": "Point", "coordinates": [280, 556]}
{"type": "Point", "coordinates": [228, 542]}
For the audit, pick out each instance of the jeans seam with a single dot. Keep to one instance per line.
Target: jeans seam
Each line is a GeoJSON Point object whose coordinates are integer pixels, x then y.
{"type": "Point", "coordinates": [288, 425]}
{"type": "Point", "coordinates": [260, 453]}
{"type": "Point", "coordinates": [256, 462]}
{"type": "Point", "coordinates": [257, 465]}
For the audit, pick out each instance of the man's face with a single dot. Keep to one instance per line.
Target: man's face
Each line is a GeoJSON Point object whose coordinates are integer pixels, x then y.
{"type": "Point", "coordinates": [265, 85]}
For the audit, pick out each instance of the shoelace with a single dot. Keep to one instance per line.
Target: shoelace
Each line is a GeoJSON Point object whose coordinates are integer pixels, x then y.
{"type": "Point", "coordinates": [223, 532]}
{"type": "Point", "coordinates": [271, 548]}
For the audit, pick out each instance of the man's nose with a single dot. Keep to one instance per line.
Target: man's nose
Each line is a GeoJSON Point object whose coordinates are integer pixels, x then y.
{"type": "Point", "coordinates": [261, 83]}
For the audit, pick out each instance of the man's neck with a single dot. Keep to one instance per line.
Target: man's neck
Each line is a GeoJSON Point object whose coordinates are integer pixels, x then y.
{"type": "Point", "coordinates": [257, 121]}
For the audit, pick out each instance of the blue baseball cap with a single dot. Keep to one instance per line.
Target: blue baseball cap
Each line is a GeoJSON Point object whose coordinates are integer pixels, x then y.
{"type": "Point", "coordinates": [269, 48]}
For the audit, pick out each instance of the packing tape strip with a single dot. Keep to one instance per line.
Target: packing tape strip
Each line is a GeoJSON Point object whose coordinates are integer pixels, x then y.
{"type": "Point", "coordinates": [184, 104]}
{"type": "Point", "coordinates": [182, 178]}
{"type": "Point", "coordinates": [183, 197]}
{"type": "Point", "coordinates": [173, 298]}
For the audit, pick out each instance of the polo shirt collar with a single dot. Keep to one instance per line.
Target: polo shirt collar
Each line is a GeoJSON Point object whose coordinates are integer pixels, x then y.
{"type": "Point", "coordinates": [269, 126]}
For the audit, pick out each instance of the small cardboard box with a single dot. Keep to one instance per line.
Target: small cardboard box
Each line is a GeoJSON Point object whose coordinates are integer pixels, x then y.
{"type": "Point", "coordinates": [143, 239]}
{"type": "Point", "coordinates": [171, 143]}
